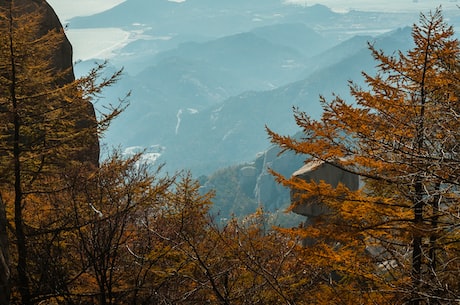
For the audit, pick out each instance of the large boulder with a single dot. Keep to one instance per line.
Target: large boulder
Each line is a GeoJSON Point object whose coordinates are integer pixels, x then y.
{"type": "Point", "coordinates": [320, 171]}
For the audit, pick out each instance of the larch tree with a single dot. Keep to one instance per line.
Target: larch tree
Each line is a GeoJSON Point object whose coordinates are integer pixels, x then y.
{"type": "Point", "coordinates": [106, 214]}
{"type": "Point", "coordinates": [47, 121]}
{"type": "Point", "coordinates": [397, 238]}
{"type": "Point", "coordinates": [193, 260]}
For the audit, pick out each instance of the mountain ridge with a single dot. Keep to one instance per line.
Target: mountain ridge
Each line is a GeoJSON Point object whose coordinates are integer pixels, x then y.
{"type": "Point", "coordinates": [231, 129]}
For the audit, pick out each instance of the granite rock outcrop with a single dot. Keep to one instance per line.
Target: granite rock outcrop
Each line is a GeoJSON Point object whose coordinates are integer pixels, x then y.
{"type": "Point", "coordinates": [62, 63]}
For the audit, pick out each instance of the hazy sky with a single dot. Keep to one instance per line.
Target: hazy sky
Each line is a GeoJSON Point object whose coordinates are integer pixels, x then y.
{"type": "Point", "coordinates": [69, 8]}
{"type": "Point", "coordinates": [100, 43]}
{"type": "Point", "coordinates": [383, 5]}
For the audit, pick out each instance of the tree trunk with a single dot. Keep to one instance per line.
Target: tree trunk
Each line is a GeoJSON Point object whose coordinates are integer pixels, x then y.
{"type": "Point", "coordinates": [434, 241]}
{"type": "Point", "coordinates": [4, 258]}
{"type": "Point", "coordinates": [18, 194]}
{"type": "Point", "coordinates": [417, 245]}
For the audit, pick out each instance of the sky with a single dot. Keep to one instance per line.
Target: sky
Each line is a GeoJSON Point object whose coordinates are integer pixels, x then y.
{"type": "Point", "coordinates": [383, 5]}
{"type": "Point", "coordinates": [100, 43]}
{"type": "Point", "coordinates": [67, 9]}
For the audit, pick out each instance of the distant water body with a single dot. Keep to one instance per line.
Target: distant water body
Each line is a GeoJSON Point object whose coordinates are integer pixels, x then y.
{"type": "Point", "coordinates": [383, 5]}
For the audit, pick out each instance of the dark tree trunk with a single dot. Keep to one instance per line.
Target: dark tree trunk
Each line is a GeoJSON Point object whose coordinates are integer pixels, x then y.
{"type": "Point", "coordinates": [18, 194]}
{"type": "Point", "coordinates": [4, 257]}
{"type": "Point", "coordinates": [417, 245]}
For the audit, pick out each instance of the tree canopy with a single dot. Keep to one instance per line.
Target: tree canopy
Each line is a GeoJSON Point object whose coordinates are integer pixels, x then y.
{"type": "Point", "coordinates": [48, 127]}
{"type": "Point", "coordinates": [397, 236]}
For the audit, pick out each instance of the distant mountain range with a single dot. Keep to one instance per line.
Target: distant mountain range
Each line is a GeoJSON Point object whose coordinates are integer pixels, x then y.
{"type": "Point", "coordinates": [194, 109]}
{"type": "Point", "coordinates": [203, 94]}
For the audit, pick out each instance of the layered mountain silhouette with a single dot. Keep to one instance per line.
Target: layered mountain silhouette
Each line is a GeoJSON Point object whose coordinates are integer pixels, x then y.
{"type": "Point", "coordinates": [195, 111]}
{"type": "Point", "coordinates": [208, 76]}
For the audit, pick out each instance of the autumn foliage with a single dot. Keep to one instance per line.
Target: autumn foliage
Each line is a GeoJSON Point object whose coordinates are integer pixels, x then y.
{"type": "Point", "coordinates": [118, 231]}
{"type": "Point", "coordinates": [395, 240]}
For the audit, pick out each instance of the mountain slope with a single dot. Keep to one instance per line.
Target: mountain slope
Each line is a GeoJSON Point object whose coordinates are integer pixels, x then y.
{"type": "Point", "coordinates": [234, 130]}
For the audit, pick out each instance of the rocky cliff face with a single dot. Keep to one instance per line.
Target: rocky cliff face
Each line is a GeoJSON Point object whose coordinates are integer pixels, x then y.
{"type": "Point", "coordinates": [267, 191]}
{"type": "Point", "coordinates": [241, 189]}
{"type": "Point", "coordinates": [49, 21]}
{"type": "Point", "coordinates": [62, 64]}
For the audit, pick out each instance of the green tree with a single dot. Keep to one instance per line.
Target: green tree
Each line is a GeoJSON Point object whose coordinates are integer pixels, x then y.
{"type": "Point", "coordinates": [402, 138]}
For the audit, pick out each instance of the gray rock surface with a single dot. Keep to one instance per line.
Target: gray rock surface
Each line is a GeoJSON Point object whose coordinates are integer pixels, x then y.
{"type": "Point", "coordinates": [321, 171]}
{"type": "Point", "coordinates": [267, 192]}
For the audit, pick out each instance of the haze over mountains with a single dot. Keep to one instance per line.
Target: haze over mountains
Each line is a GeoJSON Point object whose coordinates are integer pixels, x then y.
{"type": "Point", "coordinates": [206, 76]}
